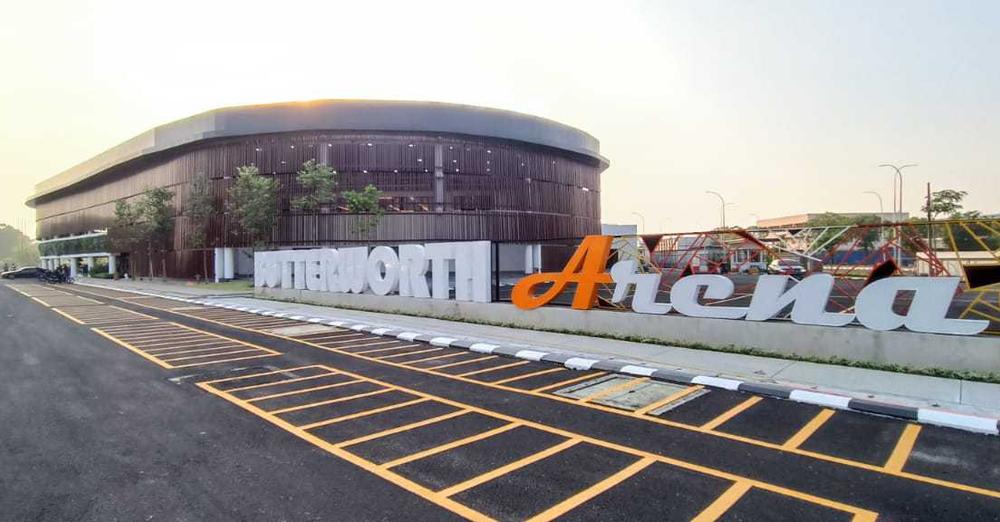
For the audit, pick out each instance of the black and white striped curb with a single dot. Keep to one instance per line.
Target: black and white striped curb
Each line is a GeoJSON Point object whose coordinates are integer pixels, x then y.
{"type": "Point", "coordinates": [577, 361]}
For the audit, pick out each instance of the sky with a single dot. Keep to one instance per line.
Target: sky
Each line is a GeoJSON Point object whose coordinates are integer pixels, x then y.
{"type": "Point", "coordinates": [784, 107]}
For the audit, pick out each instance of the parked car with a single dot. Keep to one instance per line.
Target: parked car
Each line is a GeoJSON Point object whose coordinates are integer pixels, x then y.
{"type": "Point", "coordinates": [24, 271]}
{"type": "Point", "coordinates": [785, 267]}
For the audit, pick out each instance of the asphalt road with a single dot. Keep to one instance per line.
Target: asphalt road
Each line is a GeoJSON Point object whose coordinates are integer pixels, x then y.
{"type": "Point", "coordinates": [118, 407]}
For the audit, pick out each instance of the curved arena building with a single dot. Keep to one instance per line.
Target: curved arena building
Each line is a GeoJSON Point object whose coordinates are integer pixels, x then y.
{"type": "Point", "coordinates": [446, 172]}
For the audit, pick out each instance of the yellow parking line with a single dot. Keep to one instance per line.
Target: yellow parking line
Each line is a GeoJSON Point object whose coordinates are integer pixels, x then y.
{"type": "Point", "coordinates": [148, 327]}
{"type": "Point", "coordinates": [436, 357]}
{"type": "Point", "coordinates": [400, 429]}
{"type": "Point", "coordinates": [164, 355]}
{"type": "Point", "coordinates": [567, 382]}
{"type": "Point", "coordinates": [329, 401]}
{"type": "Point", "coordinates": [579, 498]}
{"type": "Point", "coordinates": [155, 339]}
{"type": "Point", "coordinates": [632, 383]}
{"type": "Point", "coordinates": [903, 448]}
{"type": "Point", "coordinates": [267, 384]}
{"type": "Point", "coordinates": [723, 503]}
{"type": "Point", "coordinates": [803, 434]}
{"type": "Point", "coordinates": [527, 375]}
{"type": "Point", "coordinates": [503, 470]}
{"type": "Point", "coordinates": [173, 360]}
{"type": "Point", "coordinates": [155, 351]}
{"type": "Point", "coordinates": [408, 353]}
{"type": "Point", "coordinates": [284, 370]}
{"type": "Point", "coordinates": [304, 390]}
{"type": "Point", "coordinates": [732, 412]}
{"type": "Point", "coordinates": [459, 363]}
{"type": "Point", "coordinates": [360, 414]}
{"type": "Point", "coordinates": [451, 445]}
{"type": "Point", "coordinates": [380, 343]}
{"type": "Point", "coordinates": [389, 349]}
{"type": "Point", "coordinates": [667, 400]}
{"type": "Point", "coordinates": [132, 348]}
{"type": "Point", "coordinates": [494, 368]}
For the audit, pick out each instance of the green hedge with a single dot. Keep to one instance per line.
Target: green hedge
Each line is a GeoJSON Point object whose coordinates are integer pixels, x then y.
{"type": "Point", "coordinates": [83, 245]}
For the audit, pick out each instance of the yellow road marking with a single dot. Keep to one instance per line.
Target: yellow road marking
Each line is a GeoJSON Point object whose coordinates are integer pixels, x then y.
{"type": "Point", "coordinates": [360, 414]}
{"type": "Point", "coordinates": [389, 349]}
{"type": "Point", "coordinates": [400, 429]}
{"type": "Point", "coordinates": [459, 363]}
{"type": "Point", "coordinates": [145, 328]}
{"type": "Point", "coordinates": [228, 360]}
{"type": "Point", "coordinates": [283, 370]}
{"type": "Point", "coordinates": [275, 383]}
{"type": "Point", "coordinates": [631, 383]}
{"type": "Point", "coordinates": [581, 497]}
{"type": "Point", "coordinates": [505, 469]}
{"type": "Point", "coordinates": [903, 448]}
{"type": "Point", "coordinates": [203, 356]}
{"type": "Point", "coordinates": [567, 382]}
{"type": "Point", "coordinates": [126, 310]}
{"type": "Point", "coordinates": [185, 346]}
{"type": "Point", "coordinates": [380, 343]}
{"type": "Point", "coordinates": [385, 474]}
{"type": "Point", "coordinates": [436, 357]}
{"type": "Point", "coordinates": [164, 355]}
{"type": "Point", "coordinates": [527, 375]}
{"type": "Point", "coordinates": [161, 338]}
{"type": "Point", "coordinates": [667, 400]}
{"type": "Point", "coordinates": [451, 445]}
{"type": "Point", "coordinates": [732, 412]}
{"type": "Point", "coordinates": [47, 305]}
{"type": "Point", "coordinates": [141, 353]}
{"type": "Point", "coordinates": [803, 434]}
{"type": "Point", "coordinates": [67, 316]}
{"type": "Point", "coordinates": [493, 368]}
{"type": "Point", "coordinates": [408, 353]}
{"type": "Point", "coordinates": [329, 401]}
{"type": "Point", "coordinates": [335, 335]}
{"type": "Point", "coordinates": [304, 390]}
{"type": "Point", "coordinates": [538, 392]}
{"type": "Point", "coordinates": [723, 503]}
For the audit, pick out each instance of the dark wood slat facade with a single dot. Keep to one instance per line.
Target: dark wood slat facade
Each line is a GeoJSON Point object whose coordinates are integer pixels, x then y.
{"type": "Point", "coordinates": [493, 190]}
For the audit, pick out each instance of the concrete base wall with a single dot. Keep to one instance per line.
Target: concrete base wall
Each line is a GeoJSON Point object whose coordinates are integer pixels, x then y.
{"type": "Point", "coordinates": [915, 350]}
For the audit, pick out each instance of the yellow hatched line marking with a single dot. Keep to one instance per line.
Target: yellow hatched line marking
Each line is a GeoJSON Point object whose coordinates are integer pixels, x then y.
{"type": "Point", "coordinates": [146, 328]}
{"type": "Point", "coordinates": [400, 429]}
{"type": "Point", "coordinates": [732, 412]}
{"type": "Point", "coordinates": [165, 355]}
{"type": "Point", "coordinates": [903, 448]}
{"type": "Point", "coordinates": [408, 353]}
{"type": "Point", "coordinates": [380, 343]}
{"type": "Point", "coordinates": [389, 349]}
{"type": "Point", "coordinates": [183, 346]}
{"type": "Point", "coordinates": [538, 392]}
{"type": "Point", "coordinates": [164, 338]}
{"type": "Point", "coordinates": [576, 500]}
{"type": "Point", "coordinates": [723, 503]}
{"type": "Point", "coordinates": [360, 414]}
{"type": "Point", "coordinates": [803, 434]}
{"type": "Point", "coordinates": [525, 376]}
{"type": "Point", "coordinates": [283, 370]}
{"type": "Point", "coordinates": [268, 350]}
{"type": "Point", "coordinates": [333, 335]}
{"type": "Point", "coordinates": [385, 474]}
{"type": "Point", "coordinates": [204, 356]}
{"type": "Point", "coordinates": [505, 469]}
{"type": "Point", "coordinates": [143, 354]}
{"type": "Point", "coordinates": [205, 363]}
{"type": "Point", "coordinates": [567, 382]}
{"type": "Point", "coordinates": [330, 401]}
{"type": "Point", "coordinates": [377, 340]}
{"type": "Point", "coordinates": [47, 305]}
{"type": "Point", "coordinates": [436, 357]}
{"type": "Point", "coordinates": [126, 310]}
{"type": "Point", "coordinates": [488, 357]}
{"type": "Point", "coordinates": [631, 383]}
{"type": "Point", "coordinates": [304, 390]}
{"type": "Point", "coordinates": [451, 445]}
{"type": "Point", "coordinates": [667, 400]}
{"type": "Point", "coordinates": [268, 384]}
{"type": "Point", "coordinates": [494, 368]}
{"type": "Point", "coordinates": [67, 316]}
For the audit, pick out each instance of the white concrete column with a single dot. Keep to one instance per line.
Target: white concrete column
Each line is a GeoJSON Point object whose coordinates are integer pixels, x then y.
{"type": "Point", "coordinates": [229, 262]}
{"type": "Point", "coordinates": [112, 264]}
{"type": "Point", "coordinates": [529, 259]}
{"type": "Point", "coordinates": [72, 267]}
{"type": "Point", "coordinates": [218, 264]}
{"type": "Point", "coordinates": [90, 265]}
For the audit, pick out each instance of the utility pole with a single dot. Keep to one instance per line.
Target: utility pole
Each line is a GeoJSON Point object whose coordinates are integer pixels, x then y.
{"type": "Point", "coordinates": [930, 226]}
{"type": "Point", "coordinates": [722, 200]}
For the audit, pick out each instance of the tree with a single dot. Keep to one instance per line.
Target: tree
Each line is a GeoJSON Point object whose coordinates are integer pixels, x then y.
{"type": "Point", "coordinates": [156, 214]}
{"type": "Point", "coordinates": [17, 248]}
{"type": "Point", "coordinates": [200, 210]}
{"type": "Point", "coordinates": [364, 202]}
{"type": "Point", "coordinates": [318, 180]}
{"type": "Point", "coordinates": [125, 232]}
{"type": "Point", "coordinates": [253, 201]}
{"type": "Point", "coordinates": [945, 202]}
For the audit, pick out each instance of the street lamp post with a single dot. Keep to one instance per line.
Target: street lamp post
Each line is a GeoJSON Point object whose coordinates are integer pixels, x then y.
{"type": "Point", "coordinates": [722, 201]}
{"type": "Point", "coordinates": [897, 205]}
{"type": "Point", "coordinates": [881, 215]}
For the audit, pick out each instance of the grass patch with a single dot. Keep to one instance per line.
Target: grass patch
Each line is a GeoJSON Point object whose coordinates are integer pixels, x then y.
{"type": "Point", "coordinates": [240, 285]}
{"type": "Point", "coordinates": [988, 377]}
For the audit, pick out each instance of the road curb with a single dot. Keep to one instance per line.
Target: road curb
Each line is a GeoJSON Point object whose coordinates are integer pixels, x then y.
{"type": "Point", "coordinates": [581, 361]}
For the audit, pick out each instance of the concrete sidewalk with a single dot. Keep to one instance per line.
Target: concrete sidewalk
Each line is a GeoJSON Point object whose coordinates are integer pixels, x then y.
{"type": "Point", "coordinates": [961, 396]}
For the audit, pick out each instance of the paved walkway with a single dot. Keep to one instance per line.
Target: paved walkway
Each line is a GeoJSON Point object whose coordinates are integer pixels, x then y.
{"type": "Point", "coordinates": [905, 389]}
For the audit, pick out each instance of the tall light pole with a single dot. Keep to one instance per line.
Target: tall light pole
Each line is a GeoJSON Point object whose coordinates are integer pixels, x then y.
{"type": "Point", "coordinates": [897, 205]}
{"type": "Point", "coordinates": [881, 214]}
{"type": "Point", "coordinates": [722, 201]}
{"type": "Point", "coordinates": [643, 220]}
